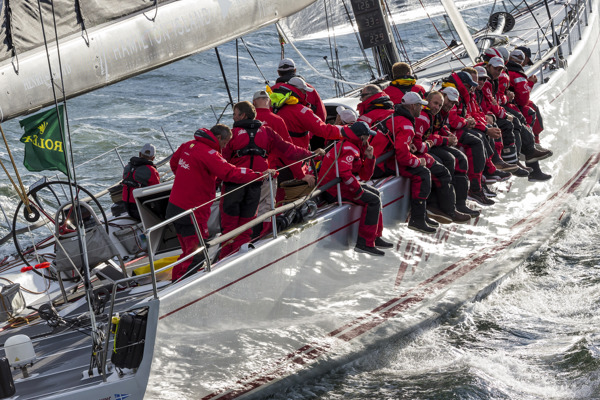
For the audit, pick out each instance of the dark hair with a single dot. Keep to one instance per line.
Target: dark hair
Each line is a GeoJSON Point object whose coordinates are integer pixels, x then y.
{"type": "Point", "coordinates": [245, 107]}
{"type": "Point", "coordinates": [221, 130]}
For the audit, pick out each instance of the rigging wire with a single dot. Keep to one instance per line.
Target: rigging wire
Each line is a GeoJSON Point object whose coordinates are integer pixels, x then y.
{"type": "Point", "coordinates": [396, 33]}
{"type": "Point", "coordinates": [224, 80]}
{"type": "Point", "coordinates": [440, 34]}
{"type": "Point", "coordinates": [279, 28]}
{"type": "Point", "coordinates": [254, 61]}
{"type": "Point", "coordinates": [74, 198]}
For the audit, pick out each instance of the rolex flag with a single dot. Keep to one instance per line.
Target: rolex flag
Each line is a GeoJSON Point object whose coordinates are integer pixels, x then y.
{"type": "Point", "coordinates": [44, 149]}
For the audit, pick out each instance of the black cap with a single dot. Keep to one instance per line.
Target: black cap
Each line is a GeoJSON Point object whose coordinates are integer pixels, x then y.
{"type": "Point", "coordinates": [361, 128]}
{"type": "Point", "coordinates": [466, 78]}
{"type": "Point", "coordinates": [527, 52]}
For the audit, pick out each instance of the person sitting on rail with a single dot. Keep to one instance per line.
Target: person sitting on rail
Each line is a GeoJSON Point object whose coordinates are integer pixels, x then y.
{"type": "Point", "coordinates": [485, 95]}
{"type": "Point", "coordinates": [495, 165]}
{"type": "Point", "coordinates": [354, 155]}
{"type": "Point", "coordinates": [249, 147]}
{"type": "Point", "coordinates": [289, 102]}
{"type": "Point", "coordinates": [286, 71]}
{"type": "Point", "coordinates": [524, 137]}
{"type": "Point", "coordinates": [139, 172]}
{"type": "Point", "coordinates": [477, 147]}
{"type": "Point", "coordinates": [374, 109]}
{"type": "Point", "coordinates": [403, 81]}
{"type": "Point", "coordinates": [433, 137]}
{"type": "Point", "coordinates": [197, 164]}
{"type": "Point", "coordinates": [522, 85]}
{"type": "Point", "coordinates": [420, 169]}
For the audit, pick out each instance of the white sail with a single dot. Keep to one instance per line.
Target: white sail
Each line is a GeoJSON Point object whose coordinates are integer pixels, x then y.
{"type": "Point", "coordinates": [127, 47]}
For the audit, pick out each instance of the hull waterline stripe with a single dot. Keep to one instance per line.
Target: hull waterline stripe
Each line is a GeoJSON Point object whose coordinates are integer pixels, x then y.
{"type": "Point", "coordinates": [271, 263]}
{"type": "Point", "coordinates": [393, 308]}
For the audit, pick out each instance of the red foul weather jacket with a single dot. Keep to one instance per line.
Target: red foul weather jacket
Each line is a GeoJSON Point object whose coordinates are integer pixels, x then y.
{"type": "Point", "coordinates": [240, 151]}
{"type": "Point", "coordinates": [302, 122]}
{"type": "Point", "coordinates": [312, 98]}
{"type": "Point", "coordinates": [399, 87]}
{"type": "Point", "coordinates": [350, 161]}
{"type": "Point", "coordinates": [197, 164]}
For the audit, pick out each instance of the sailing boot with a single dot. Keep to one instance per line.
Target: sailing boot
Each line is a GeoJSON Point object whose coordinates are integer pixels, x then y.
{"type": "Point", "coordinates": [461, 187]}
{"type": "Point", "coordinates": [476, 194]}
{"type": "Point", "coordinates": [383, 244]}
{"type": "Point", "coordinates": [417, 217]}
{"type": "Point", "coordinates": [537, 175]}
{"type": "Point", "coordinates": [361, 247]}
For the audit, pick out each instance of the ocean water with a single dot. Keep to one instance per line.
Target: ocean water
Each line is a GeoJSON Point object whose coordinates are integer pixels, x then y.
{"type": "Point", "coordinates": [536, 337]}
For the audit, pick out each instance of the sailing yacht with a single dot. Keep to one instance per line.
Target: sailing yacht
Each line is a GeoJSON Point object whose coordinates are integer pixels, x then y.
{"type": "Point", "coordinates": [301, 301]}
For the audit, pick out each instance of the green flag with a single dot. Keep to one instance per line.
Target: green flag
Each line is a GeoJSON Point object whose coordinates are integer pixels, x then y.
{"type": "Point", "coordinates": [44, 147]}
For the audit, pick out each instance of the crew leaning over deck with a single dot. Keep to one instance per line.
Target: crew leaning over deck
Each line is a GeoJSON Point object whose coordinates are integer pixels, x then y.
{"type": "Point", "coordinates": [403, 81]}
{"type": "Point", "coordinates": [197, 164]}
{"type": "Point", "coordinates": [287, 71]}
{"type": "Point", "coordinates": [355, 156]}
{"type": "Point", "coordinates": [436, 139]}
{"type": "Point", "coordinates": [249, 147]}
{"type": "Point", "coordinates": [289, 102]}
{"type": "Point", "coordinates": [374, 109]}
{"type": "Point", "coordinates": [139, 172]}
{"type": "Point", "coordinates": [459, 123]}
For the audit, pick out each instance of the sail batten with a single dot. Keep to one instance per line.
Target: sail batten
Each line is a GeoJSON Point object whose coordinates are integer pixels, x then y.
{"type": "Point", "coordinates": [128, 46]}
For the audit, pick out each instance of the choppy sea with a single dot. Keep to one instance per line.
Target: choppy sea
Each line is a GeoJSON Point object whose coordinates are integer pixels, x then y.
{"type": "Point", "coordinates": [536, 337]}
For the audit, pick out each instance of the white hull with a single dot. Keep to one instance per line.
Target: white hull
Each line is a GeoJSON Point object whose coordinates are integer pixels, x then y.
{"type": "Point", "coordinates": [306, 301]}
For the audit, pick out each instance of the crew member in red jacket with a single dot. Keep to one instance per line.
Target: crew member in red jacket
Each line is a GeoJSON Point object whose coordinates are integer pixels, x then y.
{"type": "Point", "coordinates": [286, 71]}
{"type": "Point", "coordinates": [374, 109]}
{"type": "Point", "coordinates": [197, 164]}
{"type": "Point", "coordinates": [433, 137]}
{"type": "Point", "coordinates": [403, 82]}
{"type": "Point", "coordinates": [249, 147]}
{"type": "Point", "coordinates": [355, 156]}
{"type": "Point", "coordinates": [139, 172]}
{"type": "Point", "coordinates": [420, 169]}
{"type": "Point", "coordinates": [289, 102]}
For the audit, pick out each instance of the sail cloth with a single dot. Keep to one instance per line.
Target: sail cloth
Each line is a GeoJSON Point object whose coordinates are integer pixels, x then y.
{"type": "Point", "coordinates": [44, 146]}
{"type": "Point", "coordinates": [21, 29]}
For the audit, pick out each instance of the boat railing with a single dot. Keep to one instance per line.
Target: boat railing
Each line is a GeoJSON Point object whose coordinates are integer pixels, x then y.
{"type": "Point", "coordinates": [318, 190]}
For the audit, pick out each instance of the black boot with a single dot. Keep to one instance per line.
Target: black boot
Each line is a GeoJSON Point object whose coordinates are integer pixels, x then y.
{"type": "Point", "coordinates": [361, 247]}
{"type": "Point", "coordinates": [537, 175]}
{"type": "Point", "coordinates": [417, 217]}
{"type": "Point", "coordinates": [384, 244]}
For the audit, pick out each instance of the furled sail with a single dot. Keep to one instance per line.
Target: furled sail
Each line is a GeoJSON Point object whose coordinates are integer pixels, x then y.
{"type": "Point", "coordinates": [106, 41]}
{"type": "Point", "coordinates": [461, 29]}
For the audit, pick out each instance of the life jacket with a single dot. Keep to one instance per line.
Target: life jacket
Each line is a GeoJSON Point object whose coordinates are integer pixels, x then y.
{"type": "Point", "coordinates": [129, 178]}
{"type": "Point", "coordinates": [284, 95]}
{"type": "Point", "coordinates": [377, 101]}
{"type": "Point", "coordinates": [251, 149]}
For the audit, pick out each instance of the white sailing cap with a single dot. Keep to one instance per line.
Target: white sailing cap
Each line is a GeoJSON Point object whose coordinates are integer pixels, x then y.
{"type": "Point", "coordinates": [451, 92]}
{"type": "Point", "coordinates": [148, 150]}
{"type": "Point", "coordinates": [286, 64]}
{"type": "Point", "coordinates": [347, 115]}
{"type": "Point", "coordinates": [497, 62]}
{"type": "Point", "coordinates": [517, 55]}
{"type": "Point", "coordinates": [413, 98]}
{"type": "Point", "coordinates": [481, 72]}
{"type": "Point", "coordinates": [300, 84]}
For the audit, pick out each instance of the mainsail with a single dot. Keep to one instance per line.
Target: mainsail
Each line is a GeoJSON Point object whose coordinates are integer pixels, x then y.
{"type": "Point", "coordinates": [103, 42]}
